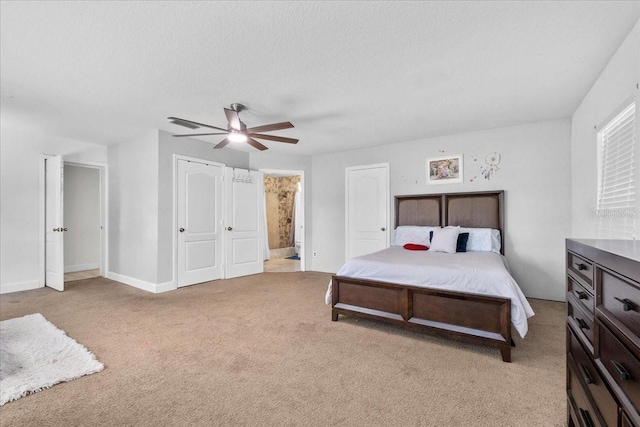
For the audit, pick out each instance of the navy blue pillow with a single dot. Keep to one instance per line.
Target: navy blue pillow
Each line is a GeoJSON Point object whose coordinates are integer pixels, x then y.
{"type": "Point", "coordinates": [461, 244]}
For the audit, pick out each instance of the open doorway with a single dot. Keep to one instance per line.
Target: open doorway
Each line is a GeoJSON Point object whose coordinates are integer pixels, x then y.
{"type": "Point", "coordinates": [82, 219]}
{"type": "Point", "coordinates": [284, 207]}
{"type": "Point", "coordinates": [82, 213]}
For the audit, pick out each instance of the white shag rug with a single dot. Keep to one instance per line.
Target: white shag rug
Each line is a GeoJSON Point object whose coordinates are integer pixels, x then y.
{"type": "Point", "coordinates": [35, 355]}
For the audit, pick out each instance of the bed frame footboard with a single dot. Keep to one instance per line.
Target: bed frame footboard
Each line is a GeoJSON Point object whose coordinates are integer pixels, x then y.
{"type": "Point", "coordinates": [465, 317]}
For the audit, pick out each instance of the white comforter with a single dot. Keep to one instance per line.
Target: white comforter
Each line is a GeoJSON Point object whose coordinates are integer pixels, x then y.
{"type": "Point", "coordinates": [473, 272]}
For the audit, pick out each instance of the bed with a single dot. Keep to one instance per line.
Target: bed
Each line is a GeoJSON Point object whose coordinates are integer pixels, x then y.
{"type": "Point", "coordinates": [483, 313]}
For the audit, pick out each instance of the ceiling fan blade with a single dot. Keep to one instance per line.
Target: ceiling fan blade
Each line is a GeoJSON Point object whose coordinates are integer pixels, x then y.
{"type": "Point", "coordinates": [256, 144]}
{"type": "Point", "coordinates": [267, 128]}
{"type": "Point", "coordinates": [223, 143]}
{"type": "Point", "coordinates": [233, 118]}
{"type": "Point", "coordinates": [179, 122]}
{"type": "Point", "coordinates": [190, 124]}
{"type": "Point", "coordinates": [201, 134]}
{"type": "Point", "coordinates": [275, 138]}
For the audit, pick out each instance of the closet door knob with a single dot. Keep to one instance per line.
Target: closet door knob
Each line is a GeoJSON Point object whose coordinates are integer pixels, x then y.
{"type": "Point", "coordinates": [229, 228]}
{"type": "Point", "coordinates": [383, 229]}
{"type": "Point", "coordinates": [181, 229]}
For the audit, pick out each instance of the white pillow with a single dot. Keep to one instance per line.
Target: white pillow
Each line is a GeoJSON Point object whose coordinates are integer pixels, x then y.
{"type": "Point", "coordinates": [482, 239]}
{"type": "Point", "coordinates": [445, 240]}
{"type": "Point", "coordinates": [412, 234]}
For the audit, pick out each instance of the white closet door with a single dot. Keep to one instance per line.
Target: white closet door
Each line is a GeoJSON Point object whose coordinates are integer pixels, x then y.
{"type": "Point", "coordinates": [367, 209]}
{"type": "Point", "coordinates": [54, 226]}
{"type": "Point", "coordinates": [199, 234]}
{"type": "Point", "coordinates": [244, 239]}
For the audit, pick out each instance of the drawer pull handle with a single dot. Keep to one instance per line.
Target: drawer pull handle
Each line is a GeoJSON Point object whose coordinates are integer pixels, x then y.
{"type": "Point", "coordinates": [581, 266]}
{"type": "Point", "coordinates": [582, 294]}
{"type": "Point", "coordinates": [622, 372]}
{"type": "Point", "coordinates": [627, 305]}
{"type": "Point", "coordinates": [586, 375]}
{"type": "Point", "coordinates": [582, 324]}
{"type": "Point", "coordinates": [586, 418]}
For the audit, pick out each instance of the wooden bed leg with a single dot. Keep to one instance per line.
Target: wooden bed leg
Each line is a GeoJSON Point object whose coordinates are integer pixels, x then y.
{"type": "Point", "coordinates": [334, 315]}
{"type": "Point", "coordinates": [506, 354]}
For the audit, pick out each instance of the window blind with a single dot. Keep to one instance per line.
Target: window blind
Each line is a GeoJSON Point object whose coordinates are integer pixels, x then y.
{"type": "Point", "coordinates": [618, 183]}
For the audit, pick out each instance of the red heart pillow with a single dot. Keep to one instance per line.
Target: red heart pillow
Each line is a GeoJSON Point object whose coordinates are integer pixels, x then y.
{"type": "Point", "coordinates": [416, 247]}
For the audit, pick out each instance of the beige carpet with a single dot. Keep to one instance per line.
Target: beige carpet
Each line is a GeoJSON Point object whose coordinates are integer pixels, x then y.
{"type": "Point", "coordinates": [262, 351]}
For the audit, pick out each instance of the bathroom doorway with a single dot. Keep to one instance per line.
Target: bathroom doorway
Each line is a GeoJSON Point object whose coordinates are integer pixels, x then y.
{"type": "Point", "coordinates": [284, 211]}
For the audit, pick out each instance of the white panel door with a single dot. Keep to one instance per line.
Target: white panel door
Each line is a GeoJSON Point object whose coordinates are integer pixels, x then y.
{"type": "Point", "coordinates": [54, 226]}
{"type": "Point", "coordinates": [367, 209]}
{"type": "Point", "coordinates": [244, 239]}
{"type": "Point", "coordinates": [199, 221]}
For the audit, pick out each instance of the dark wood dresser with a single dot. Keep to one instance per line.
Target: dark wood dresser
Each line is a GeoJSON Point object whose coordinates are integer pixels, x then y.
{"type": "Point", "coordinates": [603, 333]}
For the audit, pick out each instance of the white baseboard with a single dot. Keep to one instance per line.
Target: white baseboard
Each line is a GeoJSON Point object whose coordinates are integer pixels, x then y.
{"type": "Point", "coordinates": [81, 267]}
{"type": "Point", "coordinates": [17, 287]}
{"type": "Point", "coordinates": [141, 284]}
{"type": "Point", "coordinates": [165, 287]}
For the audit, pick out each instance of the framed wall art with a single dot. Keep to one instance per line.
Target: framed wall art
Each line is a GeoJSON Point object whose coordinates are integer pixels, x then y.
{"type": "Point", "coordinates": [445, 170]}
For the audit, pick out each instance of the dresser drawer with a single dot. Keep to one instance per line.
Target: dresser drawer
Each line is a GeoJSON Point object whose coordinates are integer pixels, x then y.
{"type": "Point", "coordinates": [626, 422]}
{"type": "Point", "coordinates": [581, 267]}
{"type": "Point", "coordinates": [581, 321]}
{"type": "Point", "coordinates": [596, 387]}
{"type": "Point", "coordinates": [623, 367]}
{"type": "Point", "coordinates": [583, 410]}
{"type": "Point", "coordinates": [621, 297]}
{"type": "Point", "coordinates": [584, 297]}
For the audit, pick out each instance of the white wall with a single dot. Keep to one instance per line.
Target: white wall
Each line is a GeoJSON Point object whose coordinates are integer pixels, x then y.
{"type": "Point", "coordinates": [616, 84]}
{"type": "Point", "coordinates": [265, 160]}
{"type": "Point", "coordinates": [81, 218]}
{"type": "Point", "coordinates": [133, 211]}
{"type": "Point", "coordinates": [544, 166]}
{"type": "Point", "coordinates": [534, 172]}
{"type": "Point", "coordinates": [20, 151]}
{"type": "Point", "coordinates": [141, 205]}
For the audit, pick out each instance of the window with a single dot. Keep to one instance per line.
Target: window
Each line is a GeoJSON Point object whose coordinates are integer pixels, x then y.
{"type": "Point", "coordinates": [617, 176]}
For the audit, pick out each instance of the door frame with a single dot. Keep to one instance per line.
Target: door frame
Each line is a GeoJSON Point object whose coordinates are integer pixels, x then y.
{"type": "Point", "coordinates": [104, 212]}
{"type": "Point", "coordinates": [346, 201]}
{"type": "Point", "coordinates": [289, 172]}
{"type": "Point", "coordinates": [174, 234]}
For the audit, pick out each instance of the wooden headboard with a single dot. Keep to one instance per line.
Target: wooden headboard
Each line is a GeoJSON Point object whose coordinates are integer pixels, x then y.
{"type": "Point", "coordinates": [478, 210]}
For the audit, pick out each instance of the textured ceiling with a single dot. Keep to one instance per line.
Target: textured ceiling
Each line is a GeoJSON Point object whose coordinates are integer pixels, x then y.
{"type": "Point", "coordinates": [346, 74]}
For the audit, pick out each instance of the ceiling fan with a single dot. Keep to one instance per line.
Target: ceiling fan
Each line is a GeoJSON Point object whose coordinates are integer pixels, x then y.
{"type": "Point", "coordinates": [236, 130]}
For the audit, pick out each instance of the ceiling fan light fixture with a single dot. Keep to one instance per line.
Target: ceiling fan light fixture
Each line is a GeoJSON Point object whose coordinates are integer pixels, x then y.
{"type": "Point", "coordinates": [237, 132]}
{"type": "Point", "coordinates": [235, 136]}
